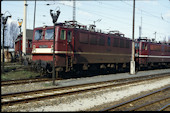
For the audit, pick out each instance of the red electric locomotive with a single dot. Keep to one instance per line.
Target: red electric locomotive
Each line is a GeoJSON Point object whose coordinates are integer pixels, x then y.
{"type": "Point", "coordinates": [151, 54]}
{"type": "Point", "coordinates": [79, 48]}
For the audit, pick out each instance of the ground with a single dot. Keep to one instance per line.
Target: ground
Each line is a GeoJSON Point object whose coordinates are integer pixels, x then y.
{"type": "Point", "coordinates": [14, 71]}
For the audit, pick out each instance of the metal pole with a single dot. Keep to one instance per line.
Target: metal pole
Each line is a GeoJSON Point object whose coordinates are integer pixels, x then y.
{"type": "Point", "coordinates": [34, 14]}
{"type": "Point", "coordinates": [132, 66]}
{"type": "Point", "coordinates": [54, 56]}
{"type": "Point", "coordinates": [141, 23]}
{"type": "Point", "coordinates": [74, 11]}
{"type": "Point", "coordinates": [139, 32]}
{"type": "Point", "coordinates": [3, 49]}
{"type": "Point", "coordinates": [24, 29]}
{"type": "Point", "coordinates": [155, 36]}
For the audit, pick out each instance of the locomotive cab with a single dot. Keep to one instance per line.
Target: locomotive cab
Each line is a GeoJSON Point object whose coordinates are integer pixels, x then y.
{"type": "Point", "coordinates": [141, 52]}
{"type": "Point", "coordinates": [43, 47]}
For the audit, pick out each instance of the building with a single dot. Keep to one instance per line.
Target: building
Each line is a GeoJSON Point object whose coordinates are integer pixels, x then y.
{"type": "Point", "coordinates": [18, 42]}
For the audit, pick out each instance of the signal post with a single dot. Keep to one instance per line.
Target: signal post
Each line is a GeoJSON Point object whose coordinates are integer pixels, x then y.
{"type": "Point", "coordinates": [55, 18]}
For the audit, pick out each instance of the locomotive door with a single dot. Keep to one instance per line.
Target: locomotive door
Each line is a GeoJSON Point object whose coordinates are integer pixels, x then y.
{"type": "Point", "coordinates": [69, 50]}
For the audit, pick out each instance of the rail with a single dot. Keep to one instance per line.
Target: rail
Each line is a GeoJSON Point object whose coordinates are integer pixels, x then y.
{"type": "Point", "coordinates": [19, 97]}
{"type": "Point", "coordinates": [136, 99]}
{"type": "Point", "coordinates": [23, 81]}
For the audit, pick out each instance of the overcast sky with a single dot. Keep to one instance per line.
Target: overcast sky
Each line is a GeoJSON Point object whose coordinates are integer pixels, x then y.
{"type": "Point", "coordinates": [114, 15]}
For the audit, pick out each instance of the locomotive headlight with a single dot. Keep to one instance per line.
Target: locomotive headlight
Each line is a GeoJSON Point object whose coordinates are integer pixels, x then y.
{"type": "Point", "coordinates": [136, 54]}
{"type": "Point", "coordinates": [33, 49]}
{"type": "Point", "coordinates": [51, 48]}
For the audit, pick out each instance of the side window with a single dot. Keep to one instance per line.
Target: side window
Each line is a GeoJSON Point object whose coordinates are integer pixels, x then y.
{"type": "Point", "coordinates": [116, 42]}
{"type": "Point", "coordinates": [108, 41]}
{"type": "Point", "coordinates": [83, 38]}
{"type": "Point", "coordinates": [63, 35]}
{"type": "Point", "coordinates": [101, 40]}
{"type": "Point", "coordinates": [122, 43]}
{"type": "Point", "coordinates": [167, 49]}
{"type": "Point", "coordinates": [127, 43]}
{"type": "Point", "coordinates": [144, 46]}
{"type": "Point", "coordinates": [69, 36]}
{"type": "Point", "coordinates": [93, 39]}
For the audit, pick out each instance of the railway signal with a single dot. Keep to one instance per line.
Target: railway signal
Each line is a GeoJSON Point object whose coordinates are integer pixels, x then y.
{"type": "Point", "coordinates": [55, 18]}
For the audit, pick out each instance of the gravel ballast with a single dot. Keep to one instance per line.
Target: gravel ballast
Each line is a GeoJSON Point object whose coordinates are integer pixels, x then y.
{"type": "Point", "coordinates": [99, 98]}
{"type": "Point", "coordinates": [89, 100]}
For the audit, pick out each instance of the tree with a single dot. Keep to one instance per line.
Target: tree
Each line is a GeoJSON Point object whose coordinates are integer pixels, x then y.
{"type": "Point", "coordinates": [11, 33]}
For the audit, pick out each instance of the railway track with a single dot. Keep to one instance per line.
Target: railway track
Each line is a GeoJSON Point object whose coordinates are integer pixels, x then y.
{"type": "Point", "coordinates": [24, 81]}
{"type": "Point", "coordinates": [164, 108]}
{"type": "Point", "coordinates": [142, 102]}
{"type": "Point", "coordinates": [28, 96]}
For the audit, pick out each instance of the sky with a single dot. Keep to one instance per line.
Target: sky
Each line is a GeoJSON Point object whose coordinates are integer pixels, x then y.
{"type": "Point", "coordinates": [152, 15]}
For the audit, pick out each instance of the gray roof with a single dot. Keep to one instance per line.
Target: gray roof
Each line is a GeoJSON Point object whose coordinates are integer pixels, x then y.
{"type": "Point", "coordinates": [29, 34]}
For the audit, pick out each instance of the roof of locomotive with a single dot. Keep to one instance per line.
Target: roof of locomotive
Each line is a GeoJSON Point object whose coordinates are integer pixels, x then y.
{"type": "Point", "coordinates": [71, 25]}
{"type": "Point", "coordinates": [146, 40]}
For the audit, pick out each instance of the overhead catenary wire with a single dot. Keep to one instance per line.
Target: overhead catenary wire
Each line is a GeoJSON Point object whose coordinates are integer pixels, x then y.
{"type": "Point", "coordinates": [100, 13]}
{"type": "Point", "coordinates": [146, 12]}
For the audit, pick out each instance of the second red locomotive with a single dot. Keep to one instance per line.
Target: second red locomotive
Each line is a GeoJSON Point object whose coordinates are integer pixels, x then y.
{"type": "Point", "coordinates": [151, 54]}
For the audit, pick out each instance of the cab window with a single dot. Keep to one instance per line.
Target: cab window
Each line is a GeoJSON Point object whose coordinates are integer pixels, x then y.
{"type": "Point", "coordinates": [136, 45]}
{"type": "Point", "coordinates": [144, 46]}
{"type": "Point", "coordinates": [38, 35]}
{"type": "Point", "coordinates": [69, 36]}
{"type": "Point", "coordinates": [49, 33]}
{"type": "Point", "coordinates": [63, 35]}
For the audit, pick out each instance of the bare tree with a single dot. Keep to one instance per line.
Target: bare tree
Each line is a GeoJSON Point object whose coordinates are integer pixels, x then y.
{"type": "Point", "coordinates": [14, 31]}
